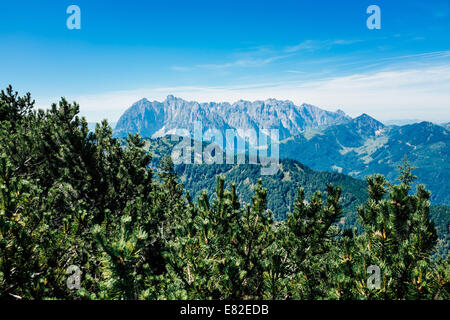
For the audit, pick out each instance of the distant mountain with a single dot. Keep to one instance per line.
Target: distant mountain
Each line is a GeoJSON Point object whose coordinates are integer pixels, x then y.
{"type": "Point", "coordinates": [400, 122]}
{"type": "Point", "coordinates": [365, 146]}
{"type": "Point", "coordinates": [446, 125]}
{"type": "Point", "coordinates": [322, 140]}
{"type": "Point", "coordinates": [157, 119]}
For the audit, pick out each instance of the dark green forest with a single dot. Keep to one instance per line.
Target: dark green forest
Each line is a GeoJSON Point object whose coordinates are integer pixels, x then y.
{"type": "Point", "coordinates": [283, 184]}
{"type": "Point", "coordinates": [70, 197]}
{"type": "Point", "coordinates": [283, 187]}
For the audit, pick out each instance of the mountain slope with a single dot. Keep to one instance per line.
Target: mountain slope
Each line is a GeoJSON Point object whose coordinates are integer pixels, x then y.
{"type": "Point", "coordinates": [282, 187]}
{"type": "Point", "coordinates": [446, 126]}
{"type": "Point", "coordinates": [365, 146]}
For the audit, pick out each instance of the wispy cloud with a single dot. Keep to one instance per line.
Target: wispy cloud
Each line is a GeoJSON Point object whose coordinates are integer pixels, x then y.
{"type": "Point", "coordinates": [249, 62]}
{"type": "Point", "coordinates": [181, 68]}
{"type": "Point", "coordinates": [295, 71]}
{"type": "Point", "coordinates": [313, 45]}
{"type": "Point", "coordinates": [252, 57]}
{"type": "Point", "coordinates": [393, 93]}
{"type": "Point", "coordinates": [263, 55]}
{"type": "Point", "coordinates": [424, 55]}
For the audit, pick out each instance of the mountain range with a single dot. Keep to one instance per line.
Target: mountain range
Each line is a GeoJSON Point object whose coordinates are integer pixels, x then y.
{"type": "Point", "coordinates": [364, 146]}
{"type": "Point", "coordinates": [157, 119]}
{"type": "Point", "coordinates": [320, 139]}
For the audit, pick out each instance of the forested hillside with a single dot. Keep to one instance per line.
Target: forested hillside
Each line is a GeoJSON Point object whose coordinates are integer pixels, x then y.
{"type": "Point", "coordinates": [283, 185]}
{"type": "Point", "coordinates": [365, 146]}
{"type": "Point", "coordinates": [79, 203]}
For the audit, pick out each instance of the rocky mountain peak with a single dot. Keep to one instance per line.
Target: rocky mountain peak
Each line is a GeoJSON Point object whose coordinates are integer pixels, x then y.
{"type": "Point", "coordinates": [156, 119]}
{"type": "Point", "coordinates": [365, 124]}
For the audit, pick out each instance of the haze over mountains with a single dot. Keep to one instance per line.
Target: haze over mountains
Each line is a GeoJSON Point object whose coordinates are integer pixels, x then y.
{"type": "Point", "coordinates": [320, 139]}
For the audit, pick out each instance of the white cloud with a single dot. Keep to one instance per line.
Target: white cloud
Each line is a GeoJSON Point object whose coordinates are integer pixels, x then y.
{"type": "Point", "coordinates": [422, 93]}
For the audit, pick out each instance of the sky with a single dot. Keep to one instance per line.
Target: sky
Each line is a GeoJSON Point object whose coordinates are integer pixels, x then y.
{"type": "Point", "coordinates": [317, 52]}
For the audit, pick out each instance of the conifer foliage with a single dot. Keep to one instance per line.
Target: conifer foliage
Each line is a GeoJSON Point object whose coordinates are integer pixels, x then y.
{"type": "Point", "coordinates": [70, 197]}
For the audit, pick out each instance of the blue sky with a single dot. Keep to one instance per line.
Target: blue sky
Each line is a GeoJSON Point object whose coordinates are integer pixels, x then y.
{"type": "Point", "coordinates": [319, 52]}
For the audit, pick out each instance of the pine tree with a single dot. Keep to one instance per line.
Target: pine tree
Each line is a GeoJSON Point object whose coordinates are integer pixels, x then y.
{"type": "Point", "coordinates": [308, 241]}
{"type": "Point", "coordinates": [21, 232]}
{"type": "Point", "coordinates": [121, 262]}
{"type": "Point", "coordinates": [398, 238]}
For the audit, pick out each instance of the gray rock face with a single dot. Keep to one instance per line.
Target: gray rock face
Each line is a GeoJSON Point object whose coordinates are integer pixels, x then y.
{"type": "Point", "coordinates": [157, 119]}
